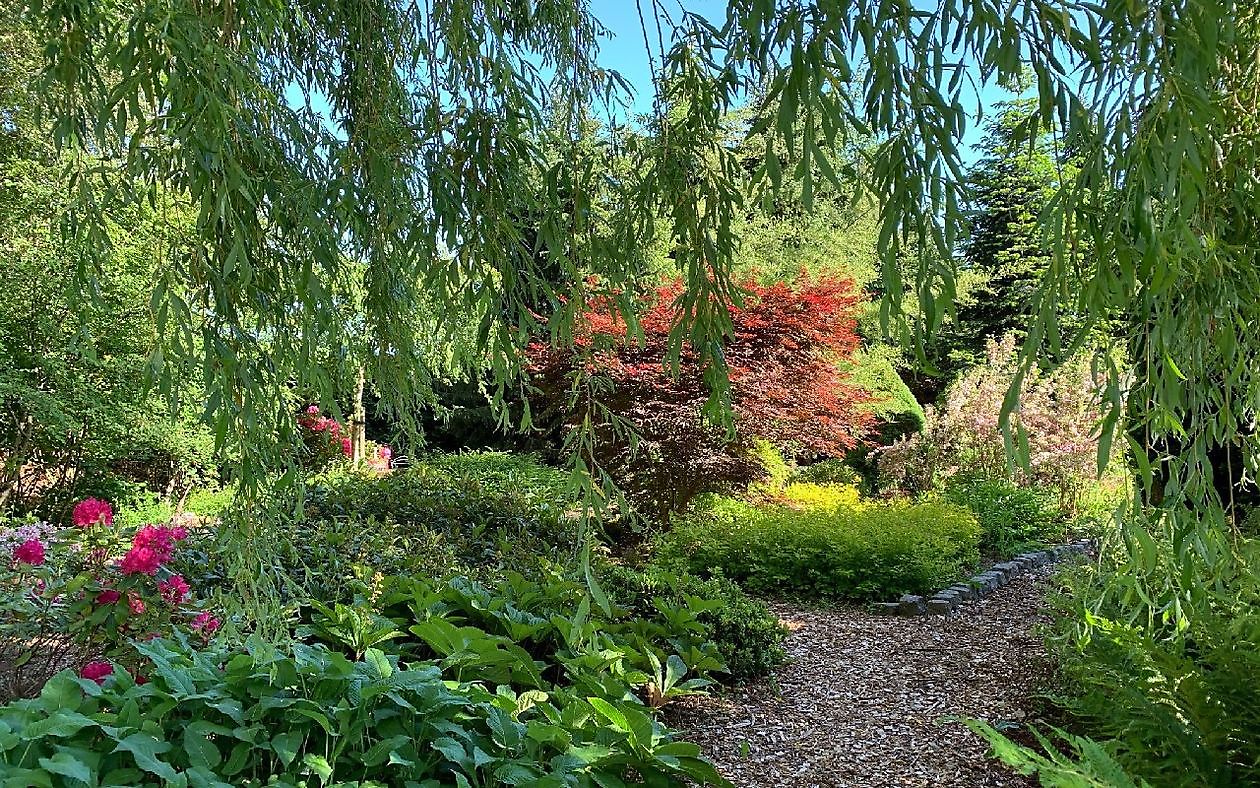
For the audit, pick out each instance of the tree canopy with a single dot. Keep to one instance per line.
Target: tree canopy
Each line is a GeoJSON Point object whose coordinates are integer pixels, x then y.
{"type": "Point", "coordinates": [439, 111]}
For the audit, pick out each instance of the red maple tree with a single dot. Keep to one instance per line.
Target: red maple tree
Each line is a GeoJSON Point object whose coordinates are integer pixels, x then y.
{"type": "Point", "coordinates": [786, 361]}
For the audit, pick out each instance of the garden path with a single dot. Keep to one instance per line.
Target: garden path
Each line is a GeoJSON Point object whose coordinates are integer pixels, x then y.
{"type": "Point", "coordinates": [874, 701]}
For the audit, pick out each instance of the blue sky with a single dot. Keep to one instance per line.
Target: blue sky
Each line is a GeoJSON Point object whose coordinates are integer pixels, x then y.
{"type": "Point", "coordinates": [626, 53]}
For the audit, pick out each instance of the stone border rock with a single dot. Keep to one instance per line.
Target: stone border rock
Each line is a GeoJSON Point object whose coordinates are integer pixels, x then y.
{"type": "Point", "coordinates": [948, 600]}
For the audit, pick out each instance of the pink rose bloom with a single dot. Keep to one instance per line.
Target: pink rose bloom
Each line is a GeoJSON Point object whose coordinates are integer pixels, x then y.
{"type": "Point", "coordinates": [29, 552]}
{"type": "Point", "coordinates": [174, 591]}
{"type": "Point", "coordinates": [108, 597]}
{"type": "Point", "coordinates": [92, 511]}
{"type": "Point", "coordinates": [135, 604]}
{"type": "Point", "coordinates": [96, 671]}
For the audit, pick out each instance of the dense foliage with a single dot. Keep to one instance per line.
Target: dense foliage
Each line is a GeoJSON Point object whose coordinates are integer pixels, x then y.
{"type": "Point", "coordinates": [388, 676]}
{"type": "Point", "coordinates": [827, 549]}
{"type": "Point", "coordinates": [266, 716]}
{"type": "Point", "coordinates": [654, 434]}
{"type": "Point", "coordinates": [1171, 706]}
{"type": "Point", "coordinates": [1012, 518]}
{"type": "Point", "coordinates": [748, 636]}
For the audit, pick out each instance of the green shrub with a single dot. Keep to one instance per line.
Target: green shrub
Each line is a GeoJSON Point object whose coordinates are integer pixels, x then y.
{"type": "Point", "coordinates": [832, 471]}
{"type": "Point", "coordinates": [875, 551]}
{"type": "Point", "coordinates": [307, 715]}
{"type": "Point", "coordinates": [457, 514]}
{"type": "Point", "coordinates": [205, 502]}
{"type": "Point", "coordinates": [1012, 518]}
{"type": "Point", "coordinates": [745, 632]}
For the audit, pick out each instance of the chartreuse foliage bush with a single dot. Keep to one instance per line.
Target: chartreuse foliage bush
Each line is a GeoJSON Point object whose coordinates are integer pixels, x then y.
{"type": "Point", "coordinates": [828, 552]}
{"type": "Point", "coordinates": [308, 715]}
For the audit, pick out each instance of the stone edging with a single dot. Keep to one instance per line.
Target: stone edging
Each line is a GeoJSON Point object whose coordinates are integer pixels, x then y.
{"type": "Point", "coordinates": [947, 600]}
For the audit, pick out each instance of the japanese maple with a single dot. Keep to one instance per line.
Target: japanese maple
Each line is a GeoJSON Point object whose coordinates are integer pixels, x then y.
{"type": "Point", "coordinates": [787, 357]}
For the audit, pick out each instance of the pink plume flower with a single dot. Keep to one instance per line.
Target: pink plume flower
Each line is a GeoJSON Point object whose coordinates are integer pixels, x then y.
{"type": "Point", "coordinates": [29, 552]}
{"type": "Point", "coordinates": [92, 511]}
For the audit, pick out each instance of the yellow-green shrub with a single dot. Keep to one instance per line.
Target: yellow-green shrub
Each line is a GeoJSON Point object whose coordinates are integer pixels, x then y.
{"type": "Point", "coordinates": [877, 550]}
{"type": "Point", "coordinates": [802, 495]}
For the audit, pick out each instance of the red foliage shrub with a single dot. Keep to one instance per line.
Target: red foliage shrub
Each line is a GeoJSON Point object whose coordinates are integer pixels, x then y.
{"type": "Point", "coordinates": [785, 360]}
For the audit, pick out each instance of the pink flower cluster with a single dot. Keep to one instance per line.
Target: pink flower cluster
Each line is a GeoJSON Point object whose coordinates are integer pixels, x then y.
{"type": "Point", "coordinates": [206, 624]}
{"type": "Point", "coordinates": [151, 547]}
{"type": "Point", "coordinates": [92, 511]}
{"type": "Point", "coordinates": [29, 552]}
{"type": "Point", "coordinates": [320, 424]}
{"type": "Point", "coordinates": [174, 590]}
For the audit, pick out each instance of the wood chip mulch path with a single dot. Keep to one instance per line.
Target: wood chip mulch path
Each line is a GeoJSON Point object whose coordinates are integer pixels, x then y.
{"type": "Point", "coordinates": [873, 700]}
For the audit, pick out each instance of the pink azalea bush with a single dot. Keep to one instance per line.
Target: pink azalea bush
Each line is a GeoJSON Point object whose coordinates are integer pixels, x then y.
{"type": "Point", "coordinates": [327, 441]}
{"type": "Point", "coordinates": [86, 593]}
{"type": "Point", "coordinates": [1058, 411]}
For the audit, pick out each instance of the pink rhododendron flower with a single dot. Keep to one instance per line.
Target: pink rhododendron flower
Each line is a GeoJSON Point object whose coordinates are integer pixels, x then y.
{"type": "Point", "coordinates": [347, 448]}
{"type": "Point", "coordinates": [174, 591]}
{"type": "Point", "coordinates": [313, 410]}
{"type": "Point", "coordinates": [135, 603]}
{"type": "Point", "coordinates": [92, 511]}
{"type": "Point", "coordinates": [108, 597]}
{"type": "Point", "coordinates": [206, 623]}
{"type": "Point", "coordinates": [96, 671]}
{"type": "Point", "coordinates": [29, 552]}
{"type": "Point", "coordinates": [151, 547]}
{"type": "Point", "coordinates": [140, 560]}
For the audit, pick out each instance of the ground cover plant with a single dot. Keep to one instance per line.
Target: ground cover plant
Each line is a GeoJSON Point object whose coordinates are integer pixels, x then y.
{"type": "Point", "coordinates": [508, 680]}
{"type": "Point", "coordinates": [260, 715]}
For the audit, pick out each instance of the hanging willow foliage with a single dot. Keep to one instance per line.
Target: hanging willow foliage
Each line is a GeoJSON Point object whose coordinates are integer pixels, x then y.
{"type": "Point", "coordinates": [441, 108]}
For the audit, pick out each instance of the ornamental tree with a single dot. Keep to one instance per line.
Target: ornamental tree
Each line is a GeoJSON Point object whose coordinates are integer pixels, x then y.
{"type": "Point", "coordinates": [786, 360]}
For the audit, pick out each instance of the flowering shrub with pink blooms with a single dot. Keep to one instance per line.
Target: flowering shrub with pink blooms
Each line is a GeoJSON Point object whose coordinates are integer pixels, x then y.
{"type": "Point", "coordinates": [80, 596]}
{"type": "Point", "coordinates": [327, 441]}
{"type": "Point", "coordinates": [1058, 412]}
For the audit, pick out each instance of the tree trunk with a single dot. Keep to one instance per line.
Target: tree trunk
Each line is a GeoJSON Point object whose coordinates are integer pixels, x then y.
{"type": "Point", "coordinates": [358, 424]}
